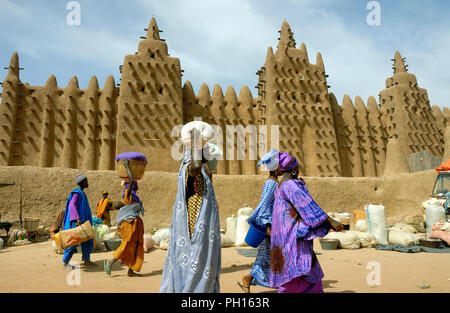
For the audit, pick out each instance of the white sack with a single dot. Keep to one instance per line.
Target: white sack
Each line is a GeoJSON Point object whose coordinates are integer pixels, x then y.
{"type": "Point", "coordinates": [161, 234]}
{"type": "Point", "coordinates": [241, 230]}
{"type": "Point", "coordinates": [206, 130]}
{"type": "Point", "coordinates": [376, 220]}
{"type": "Point", "coordinates": [231, 228]}
{"type": "Point", "coordinates": [402, 238]}
{"type": "Point", "coordinates": [226, 241]}
{"type": "Point", "coordinates": [361, 226]}
{"type": "Point", "coordinates": [247, 211]}
{"type": "Point", "coordinates": [148, 242]}
{"type": "Point", "coordinates": [347, 240]}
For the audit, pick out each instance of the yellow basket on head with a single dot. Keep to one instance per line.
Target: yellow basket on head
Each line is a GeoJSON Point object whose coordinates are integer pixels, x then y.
{"type": "Point", "coordinates": [137, 168]}
{"type": "Point", "coordinates": [31, 224]}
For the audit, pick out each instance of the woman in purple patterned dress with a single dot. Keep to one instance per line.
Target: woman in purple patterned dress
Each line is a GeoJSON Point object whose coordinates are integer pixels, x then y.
{"type": "Point", "coordinates": [296, 221]}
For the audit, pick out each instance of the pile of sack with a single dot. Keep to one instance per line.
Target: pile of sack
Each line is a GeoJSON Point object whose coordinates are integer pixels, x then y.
{"type": "Point", "coordinates": [374, 231]}
{"type": "Point", "coordinates": [18, 237]}
{"type": "Point", "coordinates": [237, 228]}
{"type": "Point", "coordinates": [161, 238]}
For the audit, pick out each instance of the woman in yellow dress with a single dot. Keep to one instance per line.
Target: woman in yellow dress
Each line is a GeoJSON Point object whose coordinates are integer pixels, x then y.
{"type": "Point", "coordinates": [131, 250]}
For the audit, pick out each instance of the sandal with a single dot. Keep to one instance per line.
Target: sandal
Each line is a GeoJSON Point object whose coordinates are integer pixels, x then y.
{"type": "Point", "coordinates": [245, 289]}
{"type": "Point", "coordinates": [107, 269]}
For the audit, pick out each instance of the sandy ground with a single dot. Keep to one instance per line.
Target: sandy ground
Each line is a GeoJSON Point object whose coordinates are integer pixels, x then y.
{"type": "Point", "coordinates": [36, 268]}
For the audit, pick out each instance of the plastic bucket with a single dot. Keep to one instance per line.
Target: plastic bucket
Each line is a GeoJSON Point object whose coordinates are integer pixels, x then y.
{"type": "Point", "coordinates": [255, 236]}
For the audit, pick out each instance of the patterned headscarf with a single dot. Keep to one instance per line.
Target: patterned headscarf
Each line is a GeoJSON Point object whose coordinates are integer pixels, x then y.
{"type": "Point", "coordinates": [287, 162]}
{"type": "Point", "coordinates": [270, 160]}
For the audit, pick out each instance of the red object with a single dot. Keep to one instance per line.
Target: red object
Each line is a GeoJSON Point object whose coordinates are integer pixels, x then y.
{"type": "Point", "coordinates": [443, 167]}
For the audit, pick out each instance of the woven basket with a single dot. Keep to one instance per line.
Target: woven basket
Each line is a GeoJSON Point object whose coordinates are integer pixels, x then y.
{"type": "Point", "coordinates": [137, 168]}
{"type": "Point", "coordinates": [31, 224]}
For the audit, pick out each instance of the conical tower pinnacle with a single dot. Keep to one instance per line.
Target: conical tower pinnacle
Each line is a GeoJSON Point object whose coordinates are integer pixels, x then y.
{"type": "Point", "coordinates": [286, 36]}
{"type": "Point", "coordinates": [399, 64]}
{"type": "Point", "coordinates": [153, 30]}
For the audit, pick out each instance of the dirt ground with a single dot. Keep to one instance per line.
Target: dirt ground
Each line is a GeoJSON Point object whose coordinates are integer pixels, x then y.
{"type": "Point", "coordinates": [36, 268]}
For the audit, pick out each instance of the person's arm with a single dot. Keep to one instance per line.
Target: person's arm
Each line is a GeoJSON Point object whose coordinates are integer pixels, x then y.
{"type": "Point", "coordinates": [130, 176]}
{"type": "Point", "coordinates": [311, 221]}
{"type": "Point", "coordinates": [335, 224]}
{"type": "Point", "coordinates": [195, 167]}
{"type": "Point", "coordinates": [73, 210]}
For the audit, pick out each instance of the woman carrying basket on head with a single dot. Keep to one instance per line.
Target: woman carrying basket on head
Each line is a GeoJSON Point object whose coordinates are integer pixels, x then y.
{"type": "Point", "coordinates": [131, 250]}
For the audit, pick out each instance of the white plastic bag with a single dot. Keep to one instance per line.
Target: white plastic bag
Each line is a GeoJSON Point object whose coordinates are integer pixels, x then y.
{"type": "Point", "coordinates": [367, 240]}
{"type": "Point", "coordinates": [111, 235]}
{"type": "Point", "coordinates": [161, 234]}
{"type": "Point", "coordinates": [164, 244]}
{"type": "Point", "coordinates": [434, 213]}
{"type": "Point", "coordinates": [402, 238]}
{"type": "Point", "coordinates": [102, 230]}
{"type": "Point", "coordinates": [241, 230]}
{"type": "Point", "coordinates": [347, 240]}
{"type": "Point", "coordinates": [148, 242]}
{"type": "Point", "coordinates": [404, 227]}
{"type": "Point", "coordinates": [376, 220]}
{"type": "Point", "coordinates": [206, 130]}
{"type": "Point", "coordinates": [246, 211]}
{"type": "Point", "coordinates": [231, 228]}
{"type": "Point", "coordinates": [55, 248]}
{"type": "Point", "coordinates": [361, 226]}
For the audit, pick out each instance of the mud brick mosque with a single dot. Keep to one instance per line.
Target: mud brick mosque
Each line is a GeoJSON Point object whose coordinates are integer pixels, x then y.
{"type": "Point", "coordinates": [69, 127]}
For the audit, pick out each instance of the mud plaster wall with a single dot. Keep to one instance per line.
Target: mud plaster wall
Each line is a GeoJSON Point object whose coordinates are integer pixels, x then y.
{"type": "Point", "coordinates": [45, 192]}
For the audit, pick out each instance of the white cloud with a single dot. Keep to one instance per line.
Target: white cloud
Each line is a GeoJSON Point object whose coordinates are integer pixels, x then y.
{"type": "Point", "coordinates": [225, 42]}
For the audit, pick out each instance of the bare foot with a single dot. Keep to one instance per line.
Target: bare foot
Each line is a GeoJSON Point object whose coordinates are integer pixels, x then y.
{"type": "Point", "coordinates": [246, 282]}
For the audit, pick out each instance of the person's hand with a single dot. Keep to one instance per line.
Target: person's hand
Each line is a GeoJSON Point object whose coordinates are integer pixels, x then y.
{"type": "Point", "coordinates": [268, 230]}
{"type": "Point", "coordinates": [78, 222]}
{"type": "Point", "coordinates": [336, 225]}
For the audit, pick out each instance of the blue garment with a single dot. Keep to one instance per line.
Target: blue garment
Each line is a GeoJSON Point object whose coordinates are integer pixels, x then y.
{"type": "Point", "coordinates": [193, 265]}
{"type": "Point", "coordinates": [84, 211]}
{"type": "Point", "coordinates": [262, 217]}
{"type": "Point", "coordinates": [96, 221]}
{"type": "Point", "coordinates": [132, 211]}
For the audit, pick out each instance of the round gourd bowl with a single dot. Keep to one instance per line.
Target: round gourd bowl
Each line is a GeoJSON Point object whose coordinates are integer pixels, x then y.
{"type": "Point", "coordinates": [329, 244]}
{"type": "Point", "coordinates": [112, 244]}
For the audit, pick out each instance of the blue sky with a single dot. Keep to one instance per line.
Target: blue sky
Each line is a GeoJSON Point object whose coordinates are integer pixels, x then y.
{"type": "Point", "coordinates": [225, 42]}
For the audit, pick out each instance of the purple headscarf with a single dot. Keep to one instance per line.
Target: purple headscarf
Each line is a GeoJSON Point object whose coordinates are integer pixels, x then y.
{"type": "Point", "coordinates": [134, 196]}
{"type": "Point", "coordinates": [287, 162]}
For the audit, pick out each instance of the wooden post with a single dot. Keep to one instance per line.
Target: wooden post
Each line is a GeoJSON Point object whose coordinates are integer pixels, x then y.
{"type": "Point", "coordinates": [20, 205]}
